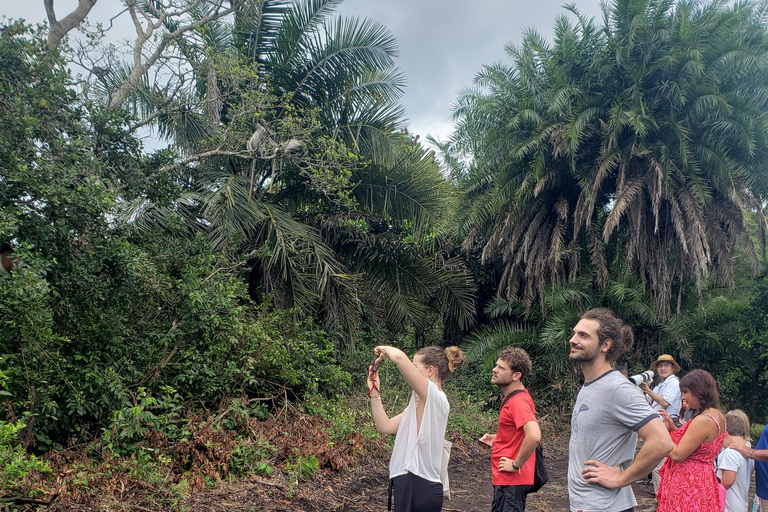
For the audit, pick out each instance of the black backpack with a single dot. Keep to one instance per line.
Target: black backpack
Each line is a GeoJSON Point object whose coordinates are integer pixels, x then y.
{"type": "Point", "coordinates": [540, 476]}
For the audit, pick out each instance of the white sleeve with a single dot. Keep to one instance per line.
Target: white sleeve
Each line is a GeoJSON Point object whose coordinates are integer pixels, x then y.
{"type": "Point", "coordinates": [730, 460]}
{"type": "Point", "coordinates": [672, 391]}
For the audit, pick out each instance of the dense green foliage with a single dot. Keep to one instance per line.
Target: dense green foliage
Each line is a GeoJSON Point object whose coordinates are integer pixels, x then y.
{"type": "Point", "coordinates": [637, 142]}
{"type": "Point", "coordinates": [296, 163]}
{"type": "Point", "coordinates": [92, 318]}
{"type": "Point", "coordinates": [623, 164]}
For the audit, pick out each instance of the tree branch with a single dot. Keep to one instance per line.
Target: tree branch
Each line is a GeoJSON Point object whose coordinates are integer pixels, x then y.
{"type": "Point", "coordinates": [245, 155]}
{"type": "Point", "coordinates": [58, 29]}
{"type": "Point", "coordinates": [140, 67]}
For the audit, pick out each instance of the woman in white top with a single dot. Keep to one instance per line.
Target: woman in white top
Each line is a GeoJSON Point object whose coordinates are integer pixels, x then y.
{"type": "Point", "coordinates": [414, 469]}
{"type": "Point", "coordinates": [733, 470]}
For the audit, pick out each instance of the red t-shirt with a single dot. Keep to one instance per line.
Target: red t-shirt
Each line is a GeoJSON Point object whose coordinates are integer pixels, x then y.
{"type": "Point", "coordinates": [518, 411]}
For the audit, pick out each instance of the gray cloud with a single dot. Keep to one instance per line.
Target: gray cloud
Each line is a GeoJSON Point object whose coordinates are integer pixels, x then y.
{"type": "Point", "coordinates": [443, 43]}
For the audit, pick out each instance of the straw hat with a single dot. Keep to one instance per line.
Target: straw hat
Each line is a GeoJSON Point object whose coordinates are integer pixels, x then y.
{"type": "Point", "coordinates": [668, 358]}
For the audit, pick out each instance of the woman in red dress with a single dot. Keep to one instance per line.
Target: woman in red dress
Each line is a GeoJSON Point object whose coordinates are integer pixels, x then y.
{"type": "Point", "coordinates": [688, 481]}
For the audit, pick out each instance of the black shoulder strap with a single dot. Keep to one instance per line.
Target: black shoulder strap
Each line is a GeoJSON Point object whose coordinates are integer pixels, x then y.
{"type": "Point", "coordinates": [506, 398]}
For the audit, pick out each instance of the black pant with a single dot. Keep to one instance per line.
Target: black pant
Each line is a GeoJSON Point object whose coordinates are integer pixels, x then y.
{"type": "Point", "coordinates": [415, 494]}
{"type": "Point", "coordinates": [509, 498]}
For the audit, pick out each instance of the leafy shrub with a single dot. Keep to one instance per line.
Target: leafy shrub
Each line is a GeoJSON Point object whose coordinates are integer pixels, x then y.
{"type": "Point", "coordinates": [250, 457]}
{"type": "Point", "coordinates": [470, 417]}
{"type": "Point", "coordinates": [15, 464]}
{"type": "Point", "coordinates": [755, 431]}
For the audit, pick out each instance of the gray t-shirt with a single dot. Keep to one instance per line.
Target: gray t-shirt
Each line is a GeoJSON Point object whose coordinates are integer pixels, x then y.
{"type": "Point", "coordinates": [608, 412]}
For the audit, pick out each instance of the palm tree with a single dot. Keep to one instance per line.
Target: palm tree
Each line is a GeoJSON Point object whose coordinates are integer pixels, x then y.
{"type": "Point", "coordinates": [329, 202]}
{"type": "Point", "coordinates": [637, 142]}
{"type": "Point", "coordinates": [544, 330]}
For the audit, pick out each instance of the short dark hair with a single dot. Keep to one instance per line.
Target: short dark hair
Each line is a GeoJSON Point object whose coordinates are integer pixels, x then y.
{"type": "Point", "coordinates": [703, 386]}
{"type": "Point", "coordinates": [517, 359]}
{"type": "Point", "coordinates": [611, 328]}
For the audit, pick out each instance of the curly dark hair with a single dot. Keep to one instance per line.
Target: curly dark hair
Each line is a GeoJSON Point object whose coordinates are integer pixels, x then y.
{"type": "Point", "coordinates": [611, 328]}
{"type": "Point", "coordinates": [517, 359]}
{"type": "Point", "coordinates": [702, 385]}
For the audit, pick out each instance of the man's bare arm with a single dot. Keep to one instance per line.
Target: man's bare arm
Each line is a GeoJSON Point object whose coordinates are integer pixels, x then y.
{"type": "Point", "coordinates": [748, 452]}
{"type": "Point", "coordinates": [530, 442]}
{"type": "Point", "coordinates": [657, 444]}
{"type": "Point", "coordinates": [656, 397]}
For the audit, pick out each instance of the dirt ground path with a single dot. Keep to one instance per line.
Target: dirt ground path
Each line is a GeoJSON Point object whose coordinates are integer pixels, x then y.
{"type": "Point", "coordinates": [471, 490]}
{"type": "Point", "coordinates": [365, 490]}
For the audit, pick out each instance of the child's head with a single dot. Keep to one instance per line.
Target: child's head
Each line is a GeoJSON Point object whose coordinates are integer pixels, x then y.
{"type": "Point", "coordinates": [737, 423]}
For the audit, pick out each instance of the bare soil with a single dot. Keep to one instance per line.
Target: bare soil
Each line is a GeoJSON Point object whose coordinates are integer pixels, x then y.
{"type": "Point", "coordinates": [364, 488]}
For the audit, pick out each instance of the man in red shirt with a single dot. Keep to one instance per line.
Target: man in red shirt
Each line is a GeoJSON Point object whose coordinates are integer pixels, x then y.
{"type": "Point", "coordinates": [513, 446]}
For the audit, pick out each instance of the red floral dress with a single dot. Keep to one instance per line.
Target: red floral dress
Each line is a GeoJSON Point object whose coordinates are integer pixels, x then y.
{"type": "Point", "coordinates": [691, 485]}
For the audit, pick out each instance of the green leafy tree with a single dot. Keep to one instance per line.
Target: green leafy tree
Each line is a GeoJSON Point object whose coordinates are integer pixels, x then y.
{"type": "Point", "coordinates": [544, 331]}
{"type": "Point", "coordinates": [295, 162]}
{"type": "Point", "coordinates": [95, 321]}
{"type": "Point", "coordinates": [639, 140]}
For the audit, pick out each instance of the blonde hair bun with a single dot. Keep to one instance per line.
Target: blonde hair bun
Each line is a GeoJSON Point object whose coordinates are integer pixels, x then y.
{"type": "Point", "coordinates": [456, 358]}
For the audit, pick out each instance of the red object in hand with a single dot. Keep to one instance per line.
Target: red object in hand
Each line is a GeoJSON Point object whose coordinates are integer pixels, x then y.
{"type": "Point", "coordinates": [374, 369]}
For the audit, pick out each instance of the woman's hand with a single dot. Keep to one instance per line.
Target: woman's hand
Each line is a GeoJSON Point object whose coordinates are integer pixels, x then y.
{"type": "Point", "coordinates": [667, 419]}
{"type": "Point", "coordinates": [742, 447]}
{"type": "Point", "coordinates": [381, 353]}
{"type": "Point", "coordinates": [418, 382]}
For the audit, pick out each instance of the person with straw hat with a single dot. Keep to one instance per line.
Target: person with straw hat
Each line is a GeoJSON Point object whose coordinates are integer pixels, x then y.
{"type": "Point", "coordinates": [664, 396]}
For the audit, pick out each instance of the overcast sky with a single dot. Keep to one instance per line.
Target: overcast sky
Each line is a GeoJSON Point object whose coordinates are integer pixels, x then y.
{"type": "Point", "coordinates": [443, 43]}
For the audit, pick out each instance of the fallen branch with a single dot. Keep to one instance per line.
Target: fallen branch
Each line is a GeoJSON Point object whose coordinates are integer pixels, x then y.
{"type": "Point", "coordinates": [271, 484]}
{"type": "Point", "coordinates": [28, 501]}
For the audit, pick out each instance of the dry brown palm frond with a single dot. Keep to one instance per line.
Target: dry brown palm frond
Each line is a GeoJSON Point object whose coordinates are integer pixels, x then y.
{"type": "Point", "coordinates": [534, 231]}
{"type": "Point", "coordinates": [624, 197]}
{"type": "Point", "coordinates": [597, 256]}
{"type": "Point", "coordinates": [756, 208]}
{"type": "Point", "coordinates": [469, 240]}
{"type": "Point", "coordinates": [545, 182]}
{"type": "Point", "coordinates": [606, 164]}
{"type": "Point", "coordinates": [656, 189]}
{"type": "Point", "coordinates": [562, 208]}
{"type": "Point", "coordinates": [678, 222]}
{"type": "Point", "coordinates": [559, 148]}
{"type": "Point", "coordinates": [695, 230]}
{"type": "Point", "coordinates": [521, 222]}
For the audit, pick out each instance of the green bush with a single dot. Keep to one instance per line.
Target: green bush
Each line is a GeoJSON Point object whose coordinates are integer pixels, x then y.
{"type": "Point", "coordinates": [755, 431]}
{"type": "Point", "coordinates": [470, 418]}
{"type": "Point", "coordinates": [15, 464]}
{"type": "Point", "coordinates": [250, 457]}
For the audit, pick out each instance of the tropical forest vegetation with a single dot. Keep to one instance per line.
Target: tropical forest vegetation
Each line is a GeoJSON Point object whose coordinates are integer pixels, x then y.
{"type": "Point", "coordinates": [207, 233]}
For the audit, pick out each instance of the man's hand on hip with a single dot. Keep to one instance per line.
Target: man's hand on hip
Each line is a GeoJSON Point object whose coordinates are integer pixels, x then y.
{"type": "Point", "coordinates": [598, 473]}
{"type": "Point", "coordinates": [505, 465]}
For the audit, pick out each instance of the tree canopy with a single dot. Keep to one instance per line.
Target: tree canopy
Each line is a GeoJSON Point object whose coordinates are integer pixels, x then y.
{"type": "Point", "coordinates": [635, 142]}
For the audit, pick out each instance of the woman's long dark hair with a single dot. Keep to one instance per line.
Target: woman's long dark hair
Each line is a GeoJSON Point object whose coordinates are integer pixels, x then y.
{"type": "Point", "coordinates": [703, 386]}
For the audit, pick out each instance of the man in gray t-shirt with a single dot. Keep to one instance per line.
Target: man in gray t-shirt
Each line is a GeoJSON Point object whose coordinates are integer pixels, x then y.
{"type": "Point", "coordinates": [608, 415]}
